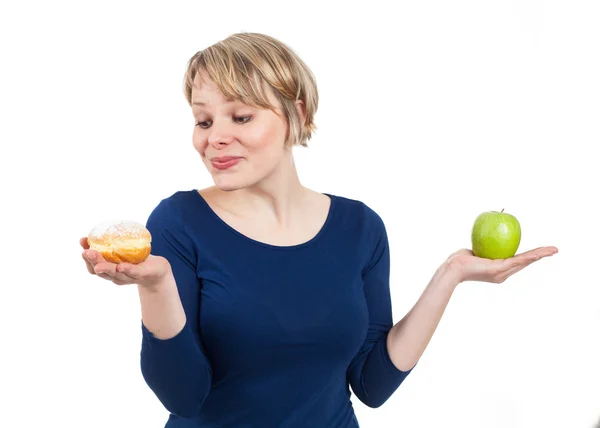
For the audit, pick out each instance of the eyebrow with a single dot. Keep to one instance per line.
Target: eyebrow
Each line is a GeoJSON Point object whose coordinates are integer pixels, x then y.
{"type": "Point", "coordinates": [201, 103]}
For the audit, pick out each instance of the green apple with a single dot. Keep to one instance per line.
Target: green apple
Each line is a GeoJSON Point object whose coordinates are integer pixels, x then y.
{"type": "Point", "coordinates": [495, 235]}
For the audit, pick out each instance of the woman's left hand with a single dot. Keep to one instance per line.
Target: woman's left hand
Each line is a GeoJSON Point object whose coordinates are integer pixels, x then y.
{"type": "Point", "coordinates": [468, 267]}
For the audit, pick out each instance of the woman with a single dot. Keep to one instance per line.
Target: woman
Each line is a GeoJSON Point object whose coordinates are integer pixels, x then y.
{"type": "Point", "coordinates": [263, 301]}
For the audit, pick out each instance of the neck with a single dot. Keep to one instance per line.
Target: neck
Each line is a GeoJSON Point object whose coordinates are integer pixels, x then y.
{"type": "Point", "coordinates": [277, 198]}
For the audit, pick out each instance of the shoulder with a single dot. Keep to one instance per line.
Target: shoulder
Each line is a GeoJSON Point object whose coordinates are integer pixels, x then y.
{"type": "Point", "coordinates": [170, 233]}
{"type": "Point", "coordinates": [178, 201]}
{"type": "Point", "coordinates": [171, 211]}
{"type": "Point", "coordinates": [357, 212]}
{"type": "Point", "coordinates": [178, 204]}
{"type": "Point", "coordinates": [358, 224]}
{"type": "Point", "coordinates": [363, 229]}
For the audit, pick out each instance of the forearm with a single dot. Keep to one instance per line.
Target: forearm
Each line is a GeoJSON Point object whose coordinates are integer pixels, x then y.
{"type": "Point", "coordinates": [172, 361]}
{"type": "Point", "coordinates": [162, 311]}
{"type": "Point", "coordinates": [408, 339]}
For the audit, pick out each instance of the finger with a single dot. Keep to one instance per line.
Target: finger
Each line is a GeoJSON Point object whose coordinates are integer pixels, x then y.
{"type": "Point", "coordinates": [109, 271]}
{"type": "Point", "coordinates": [84, 243]}
{"type": "Point", "coordinates": [88, 265]}
{"type": "Point", "coordinates": [547, 251]}
{"type": "Point", "coordinates": [516, 269]}
{"type": "Point", "coordinates": [129, 270]}
{"type": "Point", "coordinates": [530, 256]}
{"type": "Point", "coordinates": [94, 257]}
{"type": "Point", "coordinates": [105, 276]}
{"type": "Point", "coordinates": [117, 278]}
{"type": "Point", "coordinates": [104, 268]}
{"type": "Point", "coordinates": [97, 265]}
{"type": "Point", "coordinates": [121, 282]}
{"type": "Point", "coordinates": [535, 256]}
{"type": "Point", "coordinates": [538, 253]}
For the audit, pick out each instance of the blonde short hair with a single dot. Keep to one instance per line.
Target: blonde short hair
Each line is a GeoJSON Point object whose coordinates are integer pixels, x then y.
{"type": "Point", "coordinates": [244, 64]}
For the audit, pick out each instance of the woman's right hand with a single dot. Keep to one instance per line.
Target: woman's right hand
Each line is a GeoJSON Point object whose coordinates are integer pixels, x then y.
{"type": "Point", "coordinates": [151, 272]}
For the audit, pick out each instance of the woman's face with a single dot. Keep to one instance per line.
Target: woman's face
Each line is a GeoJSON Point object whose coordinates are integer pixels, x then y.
{"type": "Point", "coordinates": [240, 145]}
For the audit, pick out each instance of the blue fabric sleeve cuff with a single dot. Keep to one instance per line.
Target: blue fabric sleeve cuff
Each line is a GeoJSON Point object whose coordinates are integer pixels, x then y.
{"type": "Point", "coordinates": [175, 341]}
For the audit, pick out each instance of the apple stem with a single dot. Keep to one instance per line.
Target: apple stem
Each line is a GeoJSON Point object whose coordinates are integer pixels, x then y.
{"type": "Point", "coordinates": [502, 211]}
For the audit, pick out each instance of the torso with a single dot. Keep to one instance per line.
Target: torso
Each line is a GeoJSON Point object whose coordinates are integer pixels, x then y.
{"type": "Point", "coordinates": [277, 322]}
{"type": "Point", "coordinates": [313, 214]}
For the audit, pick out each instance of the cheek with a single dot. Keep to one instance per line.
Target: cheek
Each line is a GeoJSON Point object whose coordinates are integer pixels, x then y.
{"type": "Point", "coordinates": [270, 154]}
{"type": "Point", "coordinates": [199, 142]}
{"type": "Point", "coordinates": [268, 139]}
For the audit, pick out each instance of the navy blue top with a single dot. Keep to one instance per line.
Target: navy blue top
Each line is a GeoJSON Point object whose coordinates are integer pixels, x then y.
{"type": "Point", "coordinates": [275, 335]}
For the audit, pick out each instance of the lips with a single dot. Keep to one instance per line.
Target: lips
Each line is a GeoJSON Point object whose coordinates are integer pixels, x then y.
{"type": "Point", "coordinates": [225, 162]}
{"type": "Point", "coordinates": [224, 158]}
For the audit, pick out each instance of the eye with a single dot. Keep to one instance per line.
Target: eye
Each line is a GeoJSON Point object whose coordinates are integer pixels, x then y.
{"type": "Point", "coordinates": [242, 119]}
{"type": "Point", "coordinates": [238, 119]}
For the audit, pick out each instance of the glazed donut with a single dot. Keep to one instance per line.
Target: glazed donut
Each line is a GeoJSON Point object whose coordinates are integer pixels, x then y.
{"type": "Point", "coordinates": [121, 241]}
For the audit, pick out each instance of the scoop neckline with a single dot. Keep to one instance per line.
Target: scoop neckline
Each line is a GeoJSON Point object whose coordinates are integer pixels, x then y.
{"type": "Point", "coordinates": [311, 241]}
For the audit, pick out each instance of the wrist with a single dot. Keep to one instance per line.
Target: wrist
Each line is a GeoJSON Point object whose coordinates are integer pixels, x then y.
{"type": "Point", "coordinates": [449, 274]}
{"type": "Point", "coordinates": [164, 283]}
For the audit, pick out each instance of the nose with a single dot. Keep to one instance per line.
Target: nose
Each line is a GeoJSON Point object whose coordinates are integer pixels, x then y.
{"type": "Point", "coordinates": [220, 135]}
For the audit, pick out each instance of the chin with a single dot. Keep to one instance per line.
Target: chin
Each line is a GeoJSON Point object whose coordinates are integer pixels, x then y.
{"type": "Point", "coordinates": [229, 184]}
{"type": "Point", "coordinates": [228, 188]}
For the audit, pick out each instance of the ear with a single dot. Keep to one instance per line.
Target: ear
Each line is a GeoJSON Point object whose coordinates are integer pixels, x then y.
{"type": "Point", "coordinates": [301, 108]}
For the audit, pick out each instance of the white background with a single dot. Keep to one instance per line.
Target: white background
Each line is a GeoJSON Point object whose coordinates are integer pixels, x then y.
{"type": "Point", "coordinates": [434, 111]}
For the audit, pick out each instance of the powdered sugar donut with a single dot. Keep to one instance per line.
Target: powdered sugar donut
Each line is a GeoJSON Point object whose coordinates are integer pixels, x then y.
{"type": "Point", "coordinates": [121, 241]}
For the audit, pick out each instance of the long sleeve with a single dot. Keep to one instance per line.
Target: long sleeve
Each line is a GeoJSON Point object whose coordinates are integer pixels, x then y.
{"type": "Point", "coordinates": [372, 374]}
{"type": "Point", "coordinates": [177, 370]}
